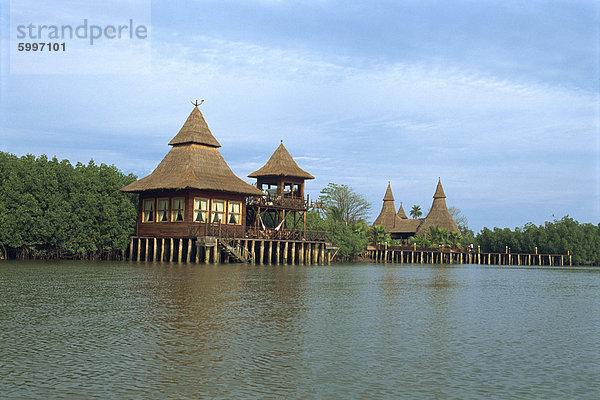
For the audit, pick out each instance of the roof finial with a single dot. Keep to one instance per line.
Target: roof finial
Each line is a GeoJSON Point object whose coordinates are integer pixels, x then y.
{"type": "Point", "coordinates": [196, 103]}
{"type": "Point", "coordinates": [281, 141]}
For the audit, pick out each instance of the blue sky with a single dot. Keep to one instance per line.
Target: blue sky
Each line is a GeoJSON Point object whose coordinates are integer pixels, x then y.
{"type": "Point", "coordinates": [498, 98]}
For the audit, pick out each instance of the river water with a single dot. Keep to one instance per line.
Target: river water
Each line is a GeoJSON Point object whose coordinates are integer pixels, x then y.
{"type": "Point", "coordinates": [145, 330]}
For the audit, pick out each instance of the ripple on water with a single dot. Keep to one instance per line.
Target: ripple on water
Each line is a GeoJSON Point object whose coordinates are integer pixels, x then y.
{"type": "Point", "coordinates": [127, 330]}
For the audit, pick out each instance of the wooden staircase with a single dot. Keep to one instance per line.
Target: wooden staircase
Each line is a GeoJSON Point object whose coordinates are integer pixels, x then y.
{"type": "Point", "coordinates": [235, 253]}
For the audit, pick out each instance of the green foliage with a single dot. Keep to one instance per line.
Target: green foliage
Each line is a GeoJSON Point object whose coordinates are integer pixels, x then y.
{"type": "Point", "coordinates": [351, 239]}
{"type": "Point", "coordinates": [436, 237]}
{"type": "Point", "coordinates": [415, 211]}
{"type": "Point", "coordinates": [343, 204]}
{"type": "Point", "coordinates": [557, 237]}
{"type": "Point", "coordinates": [48, 208]}
{"type": "Point", "coordinates": [378, 235]}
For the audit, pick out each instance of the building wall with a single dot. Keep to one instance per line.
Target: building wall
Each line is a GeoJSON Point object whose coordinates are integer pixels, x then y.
{"type": "Point", "coordinates": [188, 227]}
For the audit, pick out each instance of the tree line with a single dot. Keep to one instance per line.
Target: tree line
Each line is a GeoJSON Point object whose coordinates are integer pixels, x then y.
{"type": "Point", "coordinates": [51, 209]}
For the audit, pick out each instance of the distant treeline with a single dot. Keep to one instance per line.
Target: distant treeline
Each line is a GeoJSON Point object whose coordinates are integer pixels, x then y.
{"type": "Point", "coordinates": [52, 209]}
{"type": "Point", "coordinates": [557, 237]}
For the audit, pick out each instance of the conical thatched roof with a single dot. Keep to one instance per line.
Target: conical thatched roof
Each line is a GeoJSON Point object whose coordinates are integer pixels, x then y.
{"type": "Point", "coordinates": [438, 214]}
{"type": "Point", "coordinates": [194, 162]}
{"type": "Point", "coordinates": [401, 214]}
{"type": "Point", "coordinates": [195, 130]}
{"type": "Point", "coordinates": [281, 163]}
{"type": "Point", "coordinates": [389, 196]}
{"type": "Point", "coordinates": [387, 217]}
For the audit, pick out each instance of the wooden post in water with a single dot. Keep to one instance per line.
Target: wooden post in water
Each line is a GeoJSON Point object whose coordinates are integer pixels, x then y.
{"type": "Point", "coordinates": [216, 255]}
{"type": "Point", "coordinates": [172, 249]}
{"type": "Point", "coordinates": [189, 251]}
{"type": "Point", "coordinates": [131, 250]}
{"type": "Point", "coordinates": [401, 256]}
{"type": "Point", "coordinates": [154, 243]}
{"type": "Point", "coordinates": [322, 248]}
{"type": "Point", "coordinates": [180, 255]}
{"type": "Point", "coordinates": [261, 253]}
{"type": "Point", "coordinates": [139, 244]}
{"type": "Point", "coordinates": [293, 255]}
{"type": "Point", "coordinates": [163, 252]}
{"type": "Point", "coordinates": [285, 253]}
{"type": "Point", "coordinates": [277, 252]}
{"type": "Point", "coordinates": [206, 255]}
{"type": "Point", "coordinates": [301, 253]}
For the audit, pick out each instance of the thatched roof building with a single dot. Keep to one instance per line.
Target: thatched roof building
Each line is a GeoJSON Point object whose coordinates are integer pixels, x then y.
{"type": "Point", "coordinates": [402, 227]}
{"type": "Point", "coordinates": [388, 217]}
{"type": "Point", "coordinates": [438, 214]}
{"type": "Point", "coordinates": [194, 162]}
{"type": "Point", "coordinates": [281, 164]}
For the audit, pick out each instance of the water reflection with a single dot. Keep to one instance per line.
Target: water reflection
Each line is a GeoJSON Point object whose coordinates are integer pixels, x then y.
{"type": "Point", "coordinates": [143, 330]}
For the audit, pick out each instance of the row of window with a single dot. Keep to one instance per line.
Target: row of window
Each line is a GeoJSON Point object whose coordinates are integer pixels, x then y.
{"type": "Point", "coordinates": [219, 211]}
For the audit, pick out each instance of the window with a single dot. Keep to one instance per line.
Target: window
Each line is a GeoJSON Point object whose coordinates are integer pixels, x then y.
{"type": "Point", "coordinates": [235, 212]}
{"type": "Point", "coordinates": [163, 210]}
{"type": "Point", "coordinates": [218, 211]}
{"type": "Point", "coordinates": [148, 210]}
{"type": "Point", "coordinates": [200, 210]}
{"type": "Point", "coordinates": [177, 213]}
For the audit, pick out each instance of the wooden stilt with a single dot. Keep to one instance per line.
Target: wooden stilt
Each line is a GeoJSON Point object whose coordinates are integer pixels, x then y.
{"type": "Point", "coordinates": [139, 243]}
{"type": "Point", "coordinates": [180, 255]}
{"type": "Point", "coordinates": [293, 262]}
{"type": "Point", "coordinates": [172, 249]}
{"type": "Point", "coordinates": [189, 251]}
{"type": "Point", "coordinates": [322, 257]}
{"type": "Point", "coordinates": [285, 252]}
{"type": "Point", "coordinates": [277, 252]}
{"type": "Point", "coordinates": [216, 255]}
{"type": "Point", "coordinates": [261, 252]}
{"type": "Point", "coordinates": [131, 250]}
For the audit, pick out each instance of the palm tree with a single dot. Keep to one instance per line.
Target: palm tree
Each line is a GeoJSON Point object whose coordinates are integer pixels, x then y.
{"type": "Point", "coordinates": [415, 211]}
{"type": "Point", "coordinates": [378, 235]}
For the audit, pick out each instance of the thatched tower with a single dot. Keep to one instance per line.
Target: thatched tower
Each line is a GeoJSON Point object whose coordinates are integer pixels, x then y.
{"type": "Point", "coordinates": [438, 214]}
{"type": "Point", "coordinates": [282, 182]}
{"type": "Point", "coordinates": [281, 178]}
{"type": "Point", "coordinates": [388, 217]}
{"type": "Point", "coordinates": [192, 185]}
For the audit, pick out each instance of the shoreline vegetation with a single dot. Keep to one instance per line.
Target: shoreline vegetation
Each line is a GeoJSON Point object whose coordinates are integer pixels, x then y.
{"type": "Point", "coordinates": [50, 209]}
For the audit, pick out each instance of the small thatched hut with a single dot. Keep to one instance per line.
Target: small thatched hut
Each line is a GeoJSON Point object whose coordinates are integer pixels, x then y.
{"type": "Point", "coordinates": [192, 186]}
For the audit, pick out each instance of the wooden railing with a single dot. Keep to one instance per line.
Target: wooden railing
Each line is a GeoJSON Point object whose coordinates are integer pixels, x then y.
{"type": "Point", "coordinates": [292, 203]}
{"type": "Point", "coordinates": [242, 232]}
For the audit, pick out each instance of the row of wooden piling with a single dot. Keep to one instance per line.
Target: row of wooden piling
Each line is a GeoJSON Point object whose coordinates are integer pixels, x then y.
{"type": "Point", "coordinates": [448, 257]}
{"type": "Point", "coordinates": [260, 251]}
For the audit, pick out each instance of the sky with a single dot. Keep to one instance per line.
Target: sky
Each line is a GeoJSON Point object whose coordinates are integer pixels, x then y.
{"type": "Point", "coordinates": [499, 99]}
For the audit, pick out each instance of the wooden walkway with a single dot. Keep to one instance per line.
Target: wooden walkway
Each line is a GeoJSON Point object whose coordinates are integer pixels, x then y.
{"type": "Point", "coordinates": [452, 257]}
